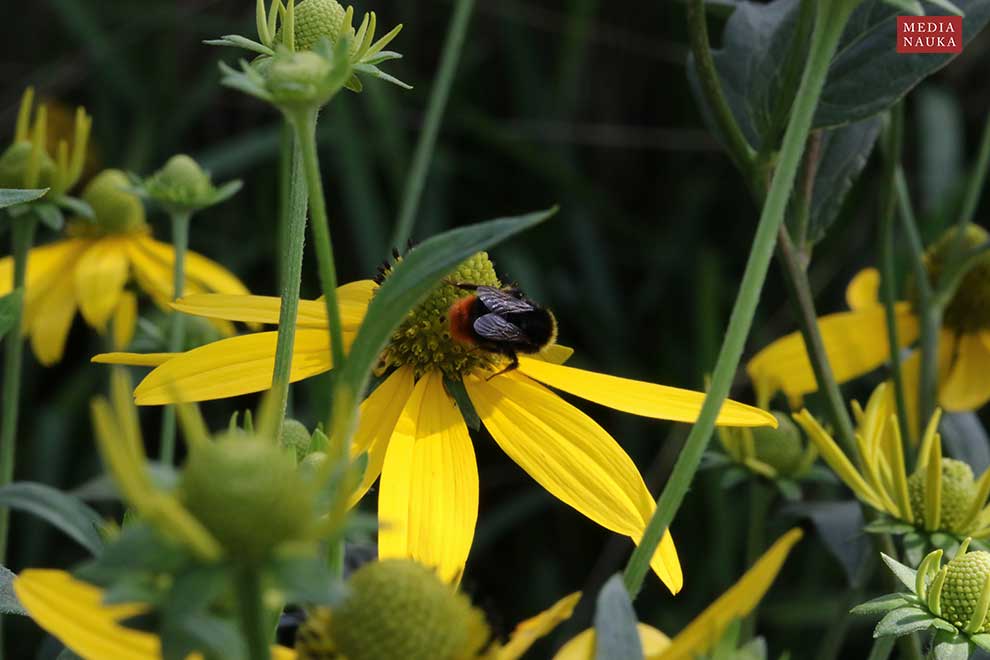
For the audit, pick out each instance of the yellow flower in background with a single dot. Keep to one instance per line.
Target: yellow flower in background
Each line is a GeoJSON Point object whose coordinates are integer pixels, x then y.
{"type": "Point", "coordinates": [89, 269]}
{"type": "Point", "coordinates": [856, 341]}
{"type": "Point", "coordinates": [708, 627]}
{"type": "Point", "coordinates": [940, 494]}
{"type": "Point", "coordinates": [74, 612]}
{"type": "Point", "coordinates": [415, 435]}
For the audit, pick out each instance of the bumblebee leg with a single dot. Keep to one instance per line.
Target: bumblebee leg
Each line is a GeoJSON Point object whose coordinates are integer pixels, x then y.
{"type": "Point", "coordinates": [512, 366]}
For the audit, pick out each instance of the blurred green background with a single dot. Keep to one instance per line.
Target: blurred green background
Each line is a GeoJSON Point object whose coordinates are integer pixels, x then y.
{"type": "Point", "coordinates": [579, 102]}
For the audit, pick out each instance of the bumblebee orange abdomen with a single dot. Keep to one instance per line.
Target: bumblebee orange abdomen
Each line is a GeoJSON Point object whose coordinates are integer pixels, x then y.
{"type": "Point", "coordinates": [461, 320]}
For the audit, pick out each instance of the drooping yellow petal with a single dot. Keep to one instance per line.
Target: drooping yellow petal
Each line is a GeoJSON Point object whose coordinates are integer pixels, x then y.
{"type": "Point", "coordinates": [572, 457]}
{"type": "Point", "coordinates": [74, 613]}
{"type": "Point", "coordinates": [836, 459]}
{"type": "Point", "coordinates": [534, 628]}
{"type": "Point", "coordinates": [100, 276]}
{"type": "Point", "coordinates": [555, 354]}
{"type": "Point", "coordinates": [856, 343]}
{"type": "Point", "coordinates": [376, 421]}
{"type": "Point", "coordinates": [52, 321]}
{"type": "Point", "coordinates": [47, 266]}
{"type": "Point", "coordinates": [967, 386]}
{"type": "Point", "coordinates": [894, 453]}
{"type": "Point", "coordinates": [709, 626]}
{"type": "Point", "coordinates": [639, 397]}
{"type": "Point", "coordinates": [209, 275]}
{"type": "Point", "coordinates": [582, 646]}
{"type": "Point", "coordinates": [933, 488]}
{"type": "Point", "coordinates": [124, 320]}
{"type": "Point", "coordinates": [134, 359]}
{"type": "Point", "coordinates": [863, 290]}
{"type": "Point", "coordinates": [352, 300]}
{"type": "Point", "coordinates": [428, 496]}
{"type": "Point", "coordinates": [231, 367]}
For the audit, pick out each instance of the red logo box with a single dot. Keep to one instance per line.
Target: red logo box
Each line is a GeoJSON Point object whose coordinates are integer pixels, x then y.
{"type": "Point", "coordinates": [929, 34]}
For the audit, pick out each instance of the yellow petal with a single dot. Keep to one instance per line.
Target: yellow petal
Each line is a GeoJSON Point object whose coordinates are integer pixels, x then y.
{"type": "Point", "coordinates": [231, 367]}
{"type": "Point", "coordinates": [572, 457]}
{"type": "Point", "coordinates": [638, 397]}
{"type": "Point", "coordinates": [555, 354]}
{"type": "Point", "coordinates": [209, 275]}
{"type": "Point", "coordinates": [428, 499]}
{"type": "Point", "coordinates": [855, 342]}
{"type": "Point", "coordinates": [836, 459]}
{"type": "Point", "coordinates": [52, 321]}
{"type": "Point", "coordinates": [124, 320]}
{"type": "Point", "coordinates": [863, 290]}
{"type": "Point", "coordinates": [541, 625]}
{"type": "Point", "coordinates": [134, 359]}
{"type": "Point", "coordinates": [707, 628]}
{"type": "Point", "coordinates": [73, 611]}
{"type": "Point", "coordinates": [967, 386]}
{"type": "Point", "coordinates": [100, 276]}
{"type": "Point", "coordinates": [47, 267]}
{"type": "Point", "coordinates": [582, 646]}
{"type": "Point", "coordinates": [377, 419]}
{"type": "Point", "coordinates": [352, 300]}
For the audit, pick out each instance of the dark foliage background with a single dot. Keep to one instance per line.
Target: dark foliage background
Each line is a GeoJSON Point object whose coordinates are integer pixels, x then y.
{"type": "Point", "coordinates": [576, 102]}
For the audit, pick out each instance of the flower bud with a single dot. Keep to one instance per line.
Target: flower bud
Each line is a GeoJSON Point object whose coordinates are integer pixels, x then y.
{"type": "Point", "coordinates": [116, 211]}
{"type": "Point", "coordinates": [14, 166]}
{"type": "Point", "coordinates": [964, 582]}
{"type": "Point", "coordinates": [958, 491]}
{"type": "Point", "coordinates": [296, 437]}
{"type": "Point", "coordinates": [298, 79]}
{"type": "Point", "coordinates": [181, 182]}
{"type": "Point", "coordinates": [397, 608]}
{"type": "Point", "coordinates": [246, 492]}
{"type": "Point", "coordinates": [969, 309]}
{"type": "Point", "coordinates": [315, 20]}
{"type": "Point", "coordinates": [780, 448]}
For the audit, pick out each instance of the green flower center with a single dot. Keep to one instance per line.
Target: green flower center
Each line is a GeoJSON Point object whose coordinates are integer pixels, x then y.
{"type": "Point", "coordinates": [315, 20]}
{"type": "Point", "coordinates": [14, 164]}
{"type": "Point", "coordinates": [780, 448]}
{"type": "Point", "coordinates": [423, 340]}
{"type": "Point", "coordinates": [964, 582]}
{"type": "Point", "coordinates": [958, 491]}
{"type": "Point", "coordinates": [115, 209]}
{"type": "Point", "coordinates": [395, 608]}
{"type": "Point", "coordinates": [969, 309]}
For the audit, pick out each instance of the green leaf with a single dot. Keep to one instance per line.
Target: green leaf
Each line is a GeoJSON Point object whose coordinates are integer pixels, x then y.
{"type": "Point", "coordinates": [915, 548]}
{"type": "Point", "coordinates": [888, 526]}
{"type": "Point", "coordinates": [906, 575]}
{"type": "Point", "coordinates": [412, 279]}
{"type": "Point", "coordinates": [839, 525]}
{"type": "Point", "coordinates": [50, 215]}
{"type": "Point", "coordinates": [63, 511]}
{"type": "Point", "coordinates": [912, 7]}
{"type": "Point", "coordinates": [982, 640]}
{"type": "Point", "coordinates": [8, 599]}
{"type": "Point", "coordinates": [948, 646]}
{"type": "Point", "coordinates": [13, 196]}
{"type": "Point", "coordinates": [76, 206]}
{"type": "Point", "coordinates": [10, 310]}
{"type": "Point", "coordinates": [883, 604]}
{"type": "Point", "coordinates": [455, 388]}
{"type": "Point", "coordinates": [903, 621]}
{"type": "Point", "coordinates": [616, 635]}
{"type": "Point", "coordinates": [965, 438]}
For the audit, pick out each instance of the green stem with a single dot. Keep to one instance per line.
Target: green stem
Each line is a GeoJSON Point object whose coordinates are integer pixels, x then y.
{"type": "Point", "coordinates": [739, 149]}
{"type": "Point", "coordinates": [304, 123]}
{"type": "Point", "coordinates": [797, 281]}
{"type": "Point", "coordinates": [760, 500]}
{"type": "Point", "coordinates": [910, 645]}
{"type": "Point", "coordinates": [930, 314]}
{"type": "Point", "coordinates": [177, 334]}
{"type": "Point", "coordinates": [830, 21]}
{"type": "Point", "coordinates": [974, 187]}
{"type": "Point", "coordinates": [413, 191]}
{"type": "Point", "coordinates": [22, 237]}
{"type": "Point", "coordinates": [293, 232]}
{"type": "Point", "coordinates": [882, 646]}
{"type": "Point", "coordinates": [251, 614]}
{"type": "Point", "coordinates": [892, 140]}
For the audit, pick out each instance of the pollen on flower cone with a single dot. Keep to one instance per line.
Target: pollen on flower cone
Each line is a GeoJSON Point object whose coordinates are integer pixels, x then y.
{"type": "Point", "coordinates": [398, 608]}
{"type": "Point", "coordinates": [958, 491]}
{"type": "Point", "coordinates": [964, 582]}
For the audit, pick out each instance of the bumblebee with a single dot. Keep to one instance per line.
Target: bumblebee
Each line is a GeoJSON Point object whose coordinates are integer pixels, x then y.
{"type": "Point", "coordinates": [502, 321]}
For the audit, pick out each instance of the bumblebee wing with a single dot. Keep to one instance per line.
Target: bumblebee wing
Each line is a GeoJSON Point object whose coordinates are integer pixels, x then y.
{"type": "Point", "coordinates": [500, 302]}
{"type": "Point", "coordinates": [495, 328]}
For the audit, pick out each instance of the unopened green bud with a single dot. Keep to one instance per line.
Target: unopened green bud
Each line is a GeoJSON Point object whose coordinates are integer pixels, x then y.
{"type": "Point", "coordinates": [780, 448]}
{"type": "Point", "coordinates": [298, 79]}
{"type": "Point", "coordinates": [315, 20]}
{"type": "Point", "coordinates": [296, 437]}
{"type": "Point", "coordinates": [969, 309]}
{"type": "Point", "coordinates": [964, 581]}
{"type": "Point", "coordinates": [14, 166]}
{"type": "Point", "coordinates": [115, 210]}
{"type": "Point", "coordinates": [958, 491]}
{"type": "Point", "coordinates": [181, 181]}
{"type": "Point", "coordinates": [247, 493]}
{"type": "Point", "coordinates": [398, 608]}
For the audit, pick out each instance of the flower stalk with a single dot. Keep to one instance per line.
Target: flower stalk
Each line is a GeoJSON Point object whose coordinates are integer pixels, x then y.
{"type": "Point", "coordinates": [22, 237]}
{"type": "Point", "coordinates": [177, 331]}
{"type": "Point", "coordinates": [251, 613]}
{"type": "Point", "coordinates": [831, 18]}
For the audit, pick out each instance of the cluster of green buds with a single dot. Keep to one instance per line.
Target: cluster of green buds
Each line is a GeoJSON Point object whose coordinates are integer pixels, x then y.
{"type": "Point", "coordinates": [953, 600]}
{"type": "Point", "coordinates": [781, 455]}
{"type": "Point", "coordinates": [29, 164]}
{"type": "Point", "coordinates": [307, 53]}
{"type": "Point", "coordinates": [181, 186]}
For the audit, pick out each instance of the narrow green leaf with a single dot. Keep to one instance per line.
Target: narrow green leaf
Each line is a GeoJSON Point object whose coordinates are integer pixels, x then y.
{"type": "Point", "coordinates": [616, 636]}
{"type": "Point", "coordinates": [950, 647]}
{"type": "Point", "coordinates": [8, 599]}
{"type": "Point", "coordinates": [413, 278]}
{"type": "Point", "coordinates": [10, 308]}
{"type": "Point", "coordinates": [908, 6]}
{"type": "Point", "coordinates": [455, 388]}
{"type": "Point", "coordinates": [51, 216]}
{"type": "Point", "coordinates": [63, 511]}
{"type": "Point", "coordinates": [982, 640]}
{"type": "Point", "coordinates": [905, 574]}
{"type": "Point", "coordinates": [13, 197]}
{"type": "Point", "coordinates": [883, 605]}
{"type": "Point", "coordinates": [903, 621]}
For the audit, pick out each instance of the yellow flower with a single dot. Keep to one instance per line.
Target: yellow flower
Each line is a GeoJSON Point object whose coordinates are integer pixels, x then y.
{"type": "Point", "coordinates": [414, 434]}
{"type": "Point", "coordinates": [74, 612]}
{"type": "Point", "coordinates": [940, 494]}
{"type": "Point", "coordinates": [708, 627]}
{"type": "Point", "coordinates": [89, 269]}
{"type": "Point", "coordinates": [856, 341]}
